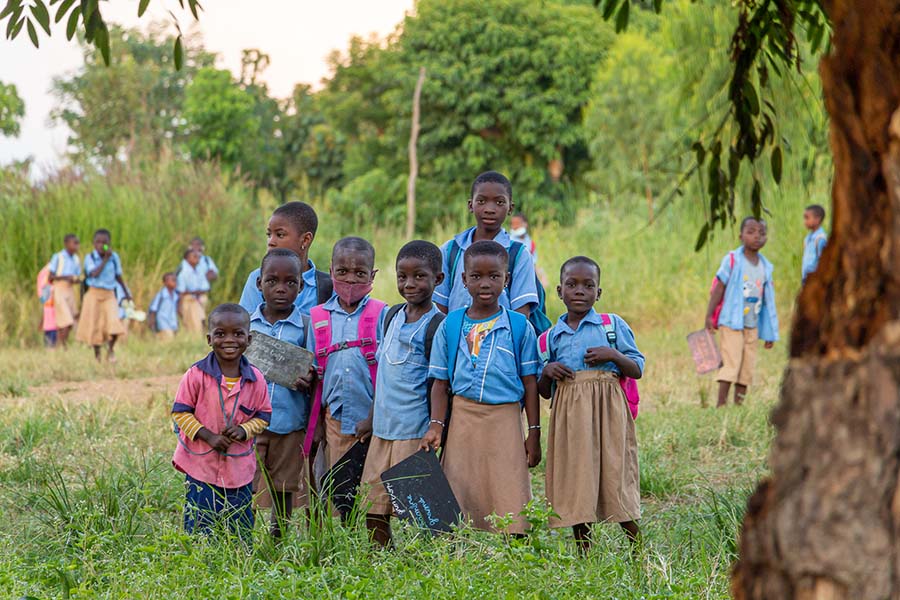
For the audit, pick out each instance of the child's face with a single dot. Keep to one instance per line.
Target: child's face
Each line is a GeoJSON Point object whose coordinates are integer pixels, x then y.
{"type": "Point", "coordinates": [352, 267]}
{"type": "Point", "coordinates": [416, 280]}
{"type": "Point", "coordinates": [101, 240]}
{"type": "Point", "coordinates": [517, 222]}
{"type": "Point", "coordinates": [197, 246]}
{"type": "Point", "coordinates": [229, 336]}
{"type": "Point", "coordinates": [280, 283]}
{"type": "Point", "coordinates": [810, 220]}
{"type": "Point", "coordinates": [282, 233]}
{"type": "Point", "coordinates": [579, 287]}
{"type": "Point", "coordinates": [72, 245]}
{"type": "Point", "coordinates": [485, 277]}
{"type": "Point", "coordinates": [170, 282]}
{"type": "Point", "coordinates": [490, 205]}
{"type": "Point", "coordinates": [193, 258]}
{"type": "Point", "coordinates": [754, 235]}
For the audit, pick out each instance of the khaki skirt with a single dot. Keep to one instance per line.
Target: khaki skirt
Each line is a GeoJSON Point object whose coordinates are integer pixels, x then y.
{"type": "Point", "coordinates": [484, 461]}
{"type": "Point", "coordinates": [99, 317]}
{"type": "Point", "coordinates": [64, 305]}
{"type": "Point", "coordinates": [193, 312]}
{"type": "Point", "coordinates": [382, 455]}
{"type": "Point", "coordinates": [337, 444]}
{"type": "Point", "coordinates": [592, 461]}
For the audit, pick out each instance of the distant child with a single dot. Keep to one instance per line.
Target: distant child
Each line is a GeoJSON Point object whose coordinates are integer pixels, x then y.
{"type": "Point", "coordinates": [491, 201]}
{"type": "Point", "coordinates": [221, 404]}
{"type": "Point", "coordinates": [347, 331]}
{"type": "Point", "coordinates": [192, 287]}
{"type": "Point", "coordinates": [65, 273]}
{"type": "Point", "coordinates": [205, 266]}
{"type": "Point", "coordinates": [278, 448]}
{"type": "Point", "coordinates": [48, 314]}
{"type": "Point", "coordinates": [163, 313]}
{"type": "Point", "coordinates": [487, 355]}
{"type": "Point", "coordinates": [745, 291]}
{"type": "Point", "coordinates": [401, 410]}
{"type": "Point", "coordinates": [592, 457]}
{"type": "Point", "coordinates": [814, 243]}
{"type": "Point", "coordinates": [518, 232]}
{"type": "Point", "coordinates": [100, 323]}
{"type": "Point", "coordinates": [293, 226]}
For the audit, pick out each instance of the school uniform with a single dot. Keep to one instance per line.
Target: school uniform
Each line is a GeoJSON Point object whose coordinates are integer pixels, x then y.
{"type": "Point", "coordinates": [592, 471]}
{"type": "Point", "coordinates": [218, 485]}
{"type": "Point", "coordinates": [100, 310]}
{"type": "Point", "coordinates": [165, 307]}
{"type": "Point", "coordinates": [484, 455]}
{"type": "Point", "coordinates": [65, 307]}
{"type": "Point", "coordinates": [522, 290]}
{"type": "Point", "coordinates": [402, 412]}
{"type": "Point", "coordinates": [278, 448]}
{"type": "Point", "coordinates": [205, 265]}
{"type": "Point", "coordinates": [748, 315]}
{"type": "Point", "coordinates": [308, 296]}
{"type": "Point", "coordinates": [813, 246]}
{"type": "Point", "coordinates": [347, 389]}
{"type": "Point", "coordinates": [192, 287]}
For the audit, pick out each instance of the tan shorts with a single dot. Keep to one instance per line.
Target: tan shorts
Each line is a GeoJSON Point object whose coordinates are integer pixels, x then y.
{"type": "Point", "coordinates": [281, 466]}
{"type": "Point", "coordinates": [99, 320]}
{"type": "Point", "coordinates": [64, 304]}
{"type": "Point", "coordinates": [193, 312]}
{"type": "Point", "coordinates": [738, 355]}
{"type": "Point", "coordinates": [338, 444]}
{"type": "Point", "coordinates": [382, 455]}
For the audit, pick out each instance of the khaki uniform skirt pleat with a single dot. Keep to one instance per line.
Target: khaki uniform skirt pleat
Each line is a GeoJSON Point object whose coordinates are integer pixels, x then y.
{"type": "Point", "coordinates": [99, 317]}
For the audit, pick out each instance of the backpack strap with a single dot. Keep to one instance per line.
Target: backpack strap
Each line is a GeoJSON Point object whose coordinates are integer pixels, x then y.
{"type": "Point", "coordinates": [321, 329]}
{"type": "Point", "coordinates": [453, 329]}
{"type": "Point", "coordinates": [544, 346]}
{"type": "Point", "coordinates": [610, 330]}
{"type": "Point", "coordinates": [454, 251]}
{"type": "Point", "coordinates": [391, 313]}
{"type": "Point", "coordinates": [515, 248]}
{"type": "Point", "coordinates": [517, 323]}
{"type": "Point", "coordinates": [367, 335]}
{"type": "Point", "coordinates": [324, 287]}
{"type": "Point", "coordinates": [436, 320]}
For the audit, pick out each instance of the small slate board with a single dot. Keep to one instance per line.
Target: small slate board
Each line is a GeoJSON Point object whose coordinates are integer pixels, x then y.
{"type": "Point", "coordinates": [420, 492]}
{"type": "Point", "coordinates": [705, 351]}
{"type": "Point", "coordinates": [279, 361]}
{"type": "Point", "coordinates": [342, 480]}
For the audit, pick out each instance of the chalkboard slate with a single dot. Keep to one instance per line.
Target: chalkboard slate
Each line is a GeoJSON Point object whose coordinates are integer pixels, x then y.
{"type": "Point", "coordinates": [342, 480]}
{"type": "Point", "coordinates": [704, 351]}
{"type": "Point", "coordinates": [279, 361]}
{"type": "Point", "coordinates": [420, 492]}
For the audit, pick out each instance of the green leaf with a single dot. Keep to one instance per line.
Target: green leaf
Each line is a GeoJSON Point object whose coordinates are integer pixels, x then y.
{"type": "Point", "coordinates": [194, 5]}
{"type": "Point", "coordinates": [101, 40]}
{"type": "Point", "coordinates": [11, 5]}
{"type": "Point", "coordinates": [32, 33]}
{"type": "Point", "coordinates": [609, 8]}
{"type": "Point", "coordinates": [776, 164]}
{"type": "Point", "coordinates": [71, 24]}
{"type": "Point", "coordinates": [14, 24]}
{"type": "Point", "coordinates": [700, 152]}
{"type": "Point", "coordinates": [756, 199]}
{"type": "Point", "coordinates": [702, 237]}
{"type": "Point", "coordinates": [63, 9]}
{"type": "Point", "coordinates": [42, 15]}
{"type": "Point", "coordinates": [179, 53]}
{"type": "Point", "coordinates": [751, 97]}
{"type": "Point", "coordinates": [622, 17]}
{"type": "Point", "coordinates": [142, 7]}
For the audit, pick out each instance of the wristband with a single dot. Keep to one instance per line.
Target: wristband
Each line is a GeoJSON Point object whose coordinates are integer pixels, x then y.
{"type": "Point", "coordinates": [441, 423]}
{"type": "Point", "coordinates": [530, 427]}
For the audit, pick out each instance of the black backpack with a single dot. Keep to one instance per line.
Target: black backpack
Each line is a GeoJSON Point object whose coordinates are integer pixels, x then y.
{"type": "Point", "coordinates": [324, 287]}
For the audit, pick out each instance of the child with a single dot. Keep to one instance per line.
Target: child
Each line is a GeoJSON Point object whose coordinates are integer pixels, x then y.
{"type": "Point", "coordinates": [100, 321]}
{"type": "Point", "coordinates": [293, 226]}
{"type": "Point", "coordinates": [347, 331]}
{"type": "Point", "coordinates": [815, 241]}
{"type": "Point", "coordinates": [491, 202]}
{"type": "Point", "coordinates": [192, 287]}
{"type": "Point", "coordinates": [163, 317]}
{"type": "Point", "coordinates": [401, 409]}
{"type": "Point", "coordinates": [744, 289]}
{"type": "Point", "coordinates": [278, 448]}
{"type": "Point", "coordinates": [65, 273]}
{"type": "Point", "coordinates": [206, 266]}
{"type": "Point", "coordinates": [592, 462]}
{"type": "Point", "coordinates": [518, 232]}
{"type": "Point", "coordinates": [221, 404]}
{"type": "Point", "coordinates": [48, 314]}
{"type": "Point", "coordinates": [487, 355]}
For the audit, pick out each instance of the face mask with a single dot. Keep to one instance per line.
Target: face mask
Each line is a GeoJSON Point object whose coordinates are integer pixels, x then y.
{"type": "Point", "coordinates": [350, 293]}
{"type": "Point", "coordinates": [519, 232]}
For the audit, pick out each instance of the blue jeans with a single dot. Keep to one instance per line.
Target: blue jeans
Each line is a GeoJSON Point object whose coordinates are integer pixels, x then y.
{"type": "Point", "coordinates": [208, 507]}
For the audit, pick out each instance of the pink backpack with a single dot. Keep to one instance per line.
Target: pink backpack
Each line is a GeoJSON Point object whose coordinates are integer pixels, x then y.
{"type": "Point", "coordinates": [366, 337]}
{"type": "Point", "coordinates": [629, 386]}
{"type": "Point", "coordinates": [718, 310]}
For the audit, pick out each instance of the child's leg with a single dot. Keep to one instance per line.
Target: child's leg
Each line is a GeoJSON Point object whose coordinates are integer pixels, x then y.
{"type": "Point", "coordinates": [237, 510]}
{"type": "Point", "coordinates": [582, 533]}
{"type": "Point", "coordinates": [282, 508]}
{"type": "Point", "coordinates": [632, 531]}
{"type": "Point", "coordinates": [97, 353]}
{"type": "Point", "coordinates": [740, 392]}
{"type": "Point", "coordinates": [111, 354]}
{"type": "Point", "coordinates": [379, 527]}
{"type": "Point", "coordinates": [62, 336]}
{"type": "Point", "coordinates": [724, 387]}
{"type": "Point", "coordinates": [748, 364]}
{"type": "Point", "coordinates": [732, 346]}
{"type": "Point", "coordinates": [199, 506]}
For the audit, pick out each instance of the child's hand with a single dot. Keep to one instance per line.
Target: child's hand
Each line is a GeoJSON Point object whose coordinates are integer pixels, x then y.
{"type": "Point", "coordinates": [305, 382]}
{"type": "Point", "coordinates": [319, 433]}
{"type": "Point", "coordinates": [236, 433]}
{"type": "Point", "coordinates": [533, 448]}
{"type": "Point", "coordinates": [558, 371]}
{"type": "Point", "coordinates": [769, 345]}
{"type": "Point", "coordinates": [364, 429]}
{"type": "Point", "coordinates": [217, 442]}
{"type": "Point", "coordinates": [432, 438]}
{"type": "Point", "coordinates": [710, 324]}
{"type": "Point", "coordinates": [600, 355]}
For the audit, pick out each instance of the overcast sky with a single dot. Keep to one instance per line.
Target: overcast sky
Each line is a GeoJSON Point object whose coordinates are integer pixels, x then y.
{"type": "Point", "coordinates": [297, 34]}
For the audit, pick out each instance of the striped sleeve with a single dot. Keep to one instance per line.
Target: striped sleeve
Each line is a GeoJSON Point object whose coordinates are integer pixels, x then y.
{"type": "Point", "coordinates": [188, 424]}
{"type": "Point", "coordinates": [254, 427]}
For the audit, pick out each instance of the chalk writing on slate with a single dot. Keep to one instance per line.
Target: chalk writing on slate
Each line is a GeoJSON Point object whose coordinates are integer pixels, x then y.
{"type": "Point", "coordinates": [704, 351]}
{"type": "Point", "coordinates": [420, 493]}
{"type": "Point", "coordinates": [341, 481]}
{"type": "Point", "coordinates": [279, 361]}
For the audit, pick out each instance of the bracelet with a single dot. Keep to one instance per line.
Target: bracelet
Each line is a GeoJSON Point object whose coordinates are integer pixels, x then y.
{"type": "Point", "coordinates": [441, 423]}
{"type": "Point", "coordinates": [530, 427]}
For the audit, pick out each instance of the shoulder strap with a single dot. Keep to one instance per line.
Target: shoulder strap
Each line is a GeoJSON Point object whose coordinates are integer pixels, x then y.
{"type": "Point", "coordinates": [610, 330]}
{"type": "Point", "coordinates": [453, 329]}
{"type": "Point", "coordinates": [544, 346]}
{"type": "Point", "coordinates": [324, 287]}
{"type": "Point", "coordinates": [517, 323]}
{"type": "Point", "coordinates": [367, 333]}
{"type": "Point", "coordinates": [321, 328]}
{"type": "Point", "coordinates": [391, 313]}
{"type": "Point", "coordinates": [731, 256]}
{"type": "Point", "coordinates": [59, 260]}
{"type": "Point", "coordinates": [453, 253]}
{"type": "Point", "coordinates": [436, 320]}
{"type": "Point", "coordinates": [514, 249]}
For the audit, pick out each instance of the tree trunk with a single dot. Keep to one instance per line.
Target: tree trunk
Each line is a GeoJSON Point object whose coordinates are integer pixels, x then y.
{"type": "Point", "coordinates": [413, 159]}
{"type": "Point", "coordinates": [826, 523]}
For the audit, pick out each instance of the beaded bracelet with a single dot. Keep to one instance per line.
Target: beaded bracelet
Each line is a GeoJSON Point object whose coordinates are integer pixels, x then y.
{"type": "Point", "coordinates": [441, 423]}
{"type": "Point", "coordinates": [530, 427]}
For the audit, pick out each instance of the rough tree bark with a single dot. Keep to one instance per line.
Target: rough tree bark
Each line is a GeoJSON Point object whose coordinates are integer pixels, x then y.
{"type": "Point", "coordinates": [413, 158]}
{"type": "Point", "coordinates": [826, 523]}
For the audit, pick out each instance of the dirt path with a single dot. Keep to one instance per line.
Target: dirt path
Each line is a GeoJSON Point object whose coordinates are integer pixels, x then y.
{"type": "Point", "coordinates": [131, 390]}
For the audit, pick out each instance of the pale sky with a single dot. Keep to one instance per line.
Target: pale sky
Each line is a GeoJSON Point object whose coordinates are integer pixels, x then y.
{"type": "Point", "coordinates": [297, 35]}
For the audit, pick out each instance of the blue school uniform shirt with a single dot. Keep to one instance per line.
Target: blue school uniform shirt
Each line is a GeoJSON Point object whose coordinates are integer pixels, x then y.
{"type": "Point", "coordinates": [522, 289]}
{"type": "Point", "coordinates": [732, 315]}
{"type": "Point", "coordinates": [813, 246]}
{"type": "Point", "coordinates": [308, 297]}
{"type": "Point", "coordinates": [290, 408]}
{"type": "Point", "coordinates": [106, 280]}
{"type": "Point", "coordinates": [496, 376]}
{"type": "Point", "coordinates": [402, 411]}
{"type": "Point", "coordinates": [569, 347]}
{"type": "Point", "coordinates": [165, 305]}
{"type": "Point", "coordinates": [347, 388]}
{"type": "Point", "coordinates": [64, 264]}
{"type": "Point", "coordinates": [193, 280]}
{"type": "Point", "coordinates": [205, 265]}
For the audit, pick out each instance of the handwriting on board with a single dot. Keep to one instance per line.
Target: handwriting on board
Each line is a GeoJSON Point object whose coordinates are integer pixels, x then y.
{"type": "Point", "coordinates": [420, 493]}
{"type": "Point", "coordinates": [280, 362]}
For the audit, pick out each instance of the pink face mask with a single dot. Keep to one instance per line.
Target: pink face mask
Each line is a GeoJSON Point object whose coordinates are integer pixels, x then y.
{"type": "Point", "coordinates": [350, 293]}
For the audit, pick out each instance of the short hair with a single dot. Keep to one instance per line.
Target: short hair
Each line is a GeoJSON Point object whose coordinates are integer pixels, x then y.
{"type": "Point", "coordinates": [522, 216]}
{"type": "Point", "coordinates": [280, 253]}
{"type": "Point", "coordinates": [229, 309]}
{"type": "Point", "coordinates": [424, 251]}
{"type": "Point", "coordinates": [70, 236]}
{"type": "Point", "coordinates": [579, 260]}
{"type": "Point", "coordinates": [357, 245]}
{"type": "Point", "coordinates": [486, 248]}
{"type": "Point", "coordinates": [301, 215]}
{"type": "Point", "coordinates": [167, 275]}
{"type": "Point", "coordinates": [198, 239]}
{"type": "Point", "coordinates": [103, 232]}
{"type": "Point", "coordinates": [747, 220]}
{"type": "Point", "coordinates": [818, 210]}
{"type": "Point", "coordinates": [492, 177]}
{"type": "Point", "coordinates": [188, 252]}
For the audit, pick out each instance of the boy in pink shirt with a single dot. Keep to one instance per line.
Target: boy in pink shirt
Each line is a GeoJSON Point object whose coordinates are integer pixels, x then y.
{"type": "Point", "coordinates": [221, 405]}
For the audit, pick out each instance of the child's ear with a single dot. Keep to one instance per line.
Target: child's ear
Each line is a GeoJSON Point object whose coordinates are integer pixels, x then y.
{"type": "Point", "coordinates": [469, 204]}
{"type": "Point", "coordinates": [507, 280]}
{"type": "Point", "coordinates": [249, 338]}
{"type": "Point", "coordinates": [438, 279]}
{"type": "Point", "coordinates": [559, 291]}
{"type": "Point", "coordinates": [306, 240]}
{"type": "Point", "coordinates": [259, 282]}
{"type": "Point", "coordinates": [374, 271]}
{"type": "Point", "coordinates": [208, 340]}
{"type": "Point", "coordinates": [599, 292]}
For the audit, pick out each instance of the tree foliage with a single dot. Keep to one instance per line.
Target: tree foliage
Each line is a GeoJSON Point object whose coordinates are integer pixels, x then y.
{"type": "Point", "coordinates": [12, 109]}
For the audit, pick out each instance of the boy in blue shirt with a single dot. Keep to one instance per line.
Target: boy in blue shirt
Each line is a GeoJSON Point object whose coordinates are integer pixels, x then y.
{"type": "Point", "coordinates": [487, 355]}
{"type": "Point", "coordinates": [65, 273]}
{"type": "Point", "coordinates": [206, 265]}
{"type": "Point", "coordinates": [192, 287]}
{"type": "Point", "coordinates": [162, 315]}
{"type": "Point", "coordinates": [814, 243]}
{"type": "Point", "coordinates": [401, 408]}
{"type": "Point", "coordinates": [278, 448]}
{"type": "Point", "coordinates": [745, 291]}
{"type": "Point", "coordinates": [100, 323]}
{"type": "Point", "coordinates": [491, 201]}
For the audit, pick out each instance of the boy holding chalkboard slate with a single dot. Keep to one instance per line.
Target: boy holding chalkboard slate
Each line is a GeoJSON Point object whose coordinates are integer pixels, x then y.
{"type": "Point", "coordinates": [278, 448]}
{"type": "Point", "coordinates": [401, 411]}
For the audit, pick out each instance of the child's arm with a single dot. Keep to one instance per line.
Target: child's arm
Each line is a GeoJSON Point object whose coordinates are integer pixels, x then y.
{"type": "Point", "coordinates": [554, 371]}
{"type": "Point", "coordinates": [715, 297]}
{"type": "Point", "coordinates": [440, 396]}
{"type": "Point", "coordinates": [533, 414]}
{"type": "Point", "coordinates": [602, 354]}
{"type": "Point", "coordinates": [364, 427]}
{"type": "Point", "coordinates": [151, 320]}
{"type": "Point", "coordinates": [193, 429]}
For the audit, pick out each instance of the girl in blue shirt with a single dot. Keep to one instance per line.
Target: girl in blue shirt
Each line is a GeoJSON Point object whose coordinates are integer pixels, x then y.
{"type": "Point", "coordinates": [592, 464]}
{"type": "Point", "coordinates": [100, 323]}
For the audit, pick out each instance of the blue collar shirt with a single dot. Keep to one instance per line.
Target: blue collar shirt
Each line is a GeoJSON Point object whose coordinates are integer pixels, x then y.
{"type": "Point", "coordinates": [106, 280]}
{"type": "Point", "coordinates": [64, 264]}
{"type": "Point", "coordinates": [251, 297]}
{"type": "Point", "coordinates": [732, 315]}
{"type": "Point", "coordinates": [569, 347]}
{"type": "Point", "coordinates": [192, 280]}
{"type": "Point", "coordinates": [813, 246]}
{"type": "Point", "coordinates": [165, 305]}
